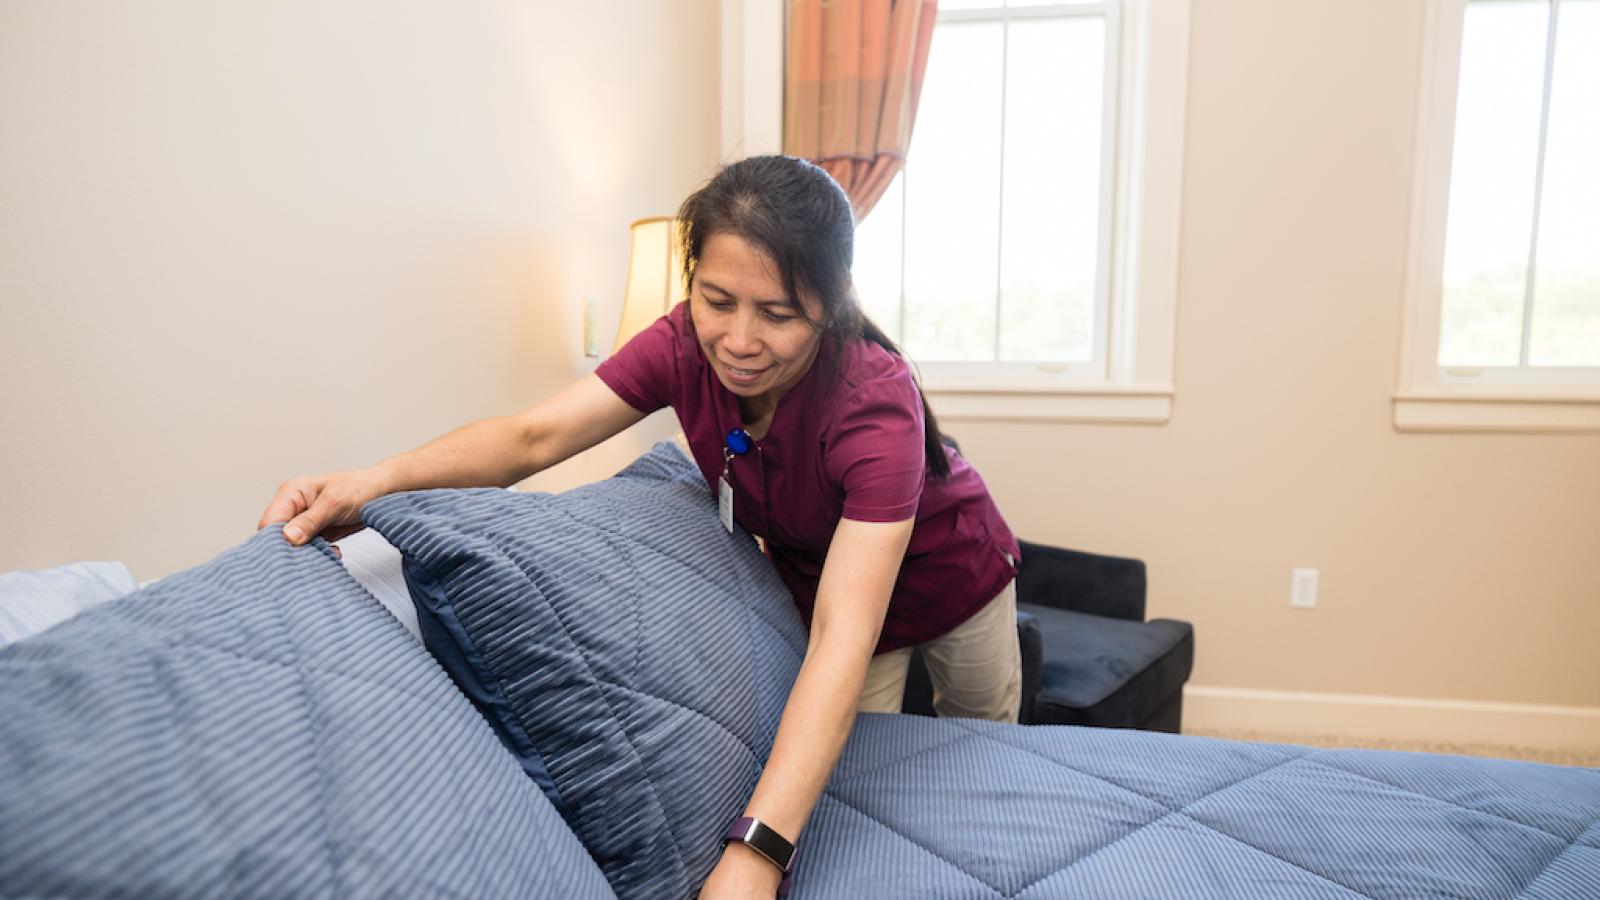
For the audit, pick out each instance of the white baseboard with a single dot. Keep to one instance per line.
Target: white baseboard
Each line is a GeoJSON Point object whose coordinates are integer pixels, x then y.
{"type": "Point", "coordinates": [1394, 718]}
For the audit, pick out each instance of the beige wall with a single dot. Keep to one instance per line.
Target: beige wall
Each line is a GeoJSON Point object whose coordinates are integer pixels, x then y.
{"type": "Point", "coordinates": [244, 241]}
{"type": "Point", "coordinates": [237, 246]}
{"type": "Point", "coordinates": [1460, 566]}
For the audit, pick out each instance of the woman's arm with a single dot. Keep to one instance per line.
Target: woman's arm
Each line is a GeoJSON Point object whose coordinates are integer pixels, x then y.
{"type": "Point", "coordinates": [852, 598]}
{"type": "Point", "coordinates": [498, 451]}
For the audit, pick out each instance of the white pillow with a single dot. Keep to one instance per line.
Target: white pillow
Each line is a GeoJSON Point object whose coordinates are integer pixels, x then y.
{"type": "Point", "coordinates": [375, 563]}
{"type": "Point", "coordinates": [30, 602]}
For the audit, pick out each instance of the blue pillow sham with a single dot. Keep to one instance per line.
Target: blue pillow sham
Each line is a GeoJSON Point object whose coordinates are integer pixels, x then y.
{"type": "Point", "coordinates": [632, 653]}
{"type": "Point", "coordinates": [259, 727]}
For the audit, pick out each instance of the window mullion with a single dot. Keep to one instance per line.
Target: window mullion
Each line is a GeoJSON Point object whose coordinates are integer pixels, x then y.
{"type": "Point", "coordinates": [1111, 113]}
{"type": "Point", "coordinates": [1000, 210]}
{"type": "Point", "coordinates": [1538, 182]}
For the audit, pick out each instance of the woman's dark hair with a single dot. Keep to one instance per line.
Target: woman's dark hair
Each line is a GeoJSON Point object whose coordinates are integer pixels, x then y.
{"type": "Point", "coordinates": [801, 218]}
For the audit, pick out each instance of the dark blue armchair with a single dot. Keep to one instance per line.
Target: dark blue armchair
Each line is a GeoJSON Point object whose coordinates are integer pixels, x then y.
{"type": "Point", "coordinates": [1088, 655]}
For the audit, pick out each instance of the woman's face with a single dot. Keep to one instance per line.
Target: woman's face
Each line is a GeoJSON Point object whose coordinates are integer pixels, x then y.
{"type": "Point", "coordinates": [757, 340]}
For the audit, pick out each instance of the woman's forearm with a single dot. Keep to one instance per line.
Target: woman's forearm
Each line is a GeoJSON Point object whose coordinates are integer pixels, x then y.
{"type": "Point", "coordinates": [498, 451]}
{"type": "Point", "coordinates": [816, 722]}
{"type": "Point", "coordinates": [495, 451]}
{"type": "Point", "coordinates": [852, 596]}
{"type": "Point", "coordinates": [503, 450]}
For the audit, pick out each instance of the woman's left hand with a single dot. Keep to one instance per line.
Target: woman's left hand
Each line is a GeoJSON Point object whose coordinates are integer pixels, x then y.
{"type": "Point", "coordinates": [741, 875]}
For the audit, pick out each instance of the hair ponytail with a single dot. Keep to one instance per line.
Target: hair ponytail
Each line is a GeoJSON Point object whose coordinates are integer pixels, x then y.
{"type": "Point", "coordinates": [933, 439]}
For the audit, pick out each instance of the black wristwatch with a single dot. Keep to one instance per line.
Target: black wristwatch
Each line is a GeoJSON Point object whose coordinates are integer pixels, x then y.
{"type": "Point", "coordinates": [773, 847]}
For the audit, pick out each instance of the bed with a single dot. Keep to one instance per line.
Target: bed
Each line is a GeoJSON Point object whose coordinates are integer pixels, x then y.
{"type": "Point", "coordinates": [584, 697]}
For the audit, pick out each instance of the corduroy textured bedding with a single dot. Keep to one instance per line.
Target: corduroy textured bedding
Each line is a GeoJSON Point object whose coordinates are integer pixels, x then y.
{"type": "Point", "coordinates": [259, 726]}
{"type": "Point", "coordinates": [926, 809]}
{"type": "Point", "coordinates": [635, 654]}
{"type": "Point", "coordinates": [929, 808]}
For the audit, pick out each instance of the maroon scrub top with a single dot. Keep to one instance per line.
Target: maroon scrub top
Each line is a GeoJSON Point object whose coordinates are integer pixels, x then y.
{"type": "Point", "coordinates": [845, 442]}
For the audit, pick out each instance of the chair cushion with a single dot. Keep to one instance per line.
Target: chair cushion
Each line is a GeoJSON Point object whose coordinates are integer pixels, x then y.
{"type": "Point", "coordinates": [1108, 672]}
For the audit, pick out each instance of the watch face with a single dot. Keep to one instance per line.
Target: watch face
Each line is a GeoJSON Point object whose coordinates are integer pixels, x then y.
{"type": "Point", "coordinates": [754, 833]}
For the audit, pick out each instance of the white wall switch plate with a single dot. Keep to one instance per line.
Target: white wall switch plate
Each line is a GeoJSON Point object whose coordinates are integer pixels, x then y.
{"type": "Point", "coordinates": [1303, 589]}
{"type": "Point", "coordinates": [591, 339]}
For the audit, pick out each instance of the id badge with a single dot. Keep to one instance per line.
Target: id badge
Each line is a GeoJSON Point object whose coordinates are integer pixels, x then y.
{"type": "Point", "coordinates": [725, 503]}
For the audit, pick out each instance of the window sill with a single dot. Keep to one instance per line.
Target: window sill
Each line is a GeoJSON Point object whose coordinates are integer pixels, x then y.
{"type": "Point", "coordinates": [1133, 405]}
{"type": "Point", "coordinates": [1497, 411]}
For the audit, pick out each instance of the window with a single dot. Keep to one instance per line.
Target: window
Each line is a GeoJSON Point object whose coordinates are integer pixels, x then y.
{"type": "Point", "coordinates": [1503, 305]}
{"type": "Point", "coordinates": [1061, 303]}
{"type": "Point", "coordinates": [990, 246]}
{"type": "Point", "coordinates": [1007, 257]}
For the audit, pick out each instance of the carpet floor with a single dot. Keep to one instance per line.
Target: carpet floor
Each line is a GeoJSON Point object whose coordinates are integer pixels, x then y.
{"type": "Point", "coordinates": [1587, 759]}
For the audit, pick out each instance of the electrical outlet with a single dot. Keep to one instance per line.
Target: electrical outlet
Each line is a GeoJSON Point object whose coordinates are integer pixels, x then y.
{"type": "Point", "coordinates": [1303, 589]}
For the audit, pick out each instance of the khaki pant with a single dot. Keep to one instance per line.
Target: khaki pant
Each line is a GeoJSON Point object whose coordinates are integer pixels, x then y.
{"type": "Point", "coordinates": [976, 669]}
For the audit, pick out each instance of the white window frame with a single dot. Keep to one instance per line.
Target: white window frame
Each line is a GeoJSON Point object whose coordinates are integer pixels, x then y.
{"type": "Point", "coordinates": [952, 376]}
{"type": "Point", "coordinates": [1150, 118]}
{"type": "Point", "coordinates": [1428, 397]}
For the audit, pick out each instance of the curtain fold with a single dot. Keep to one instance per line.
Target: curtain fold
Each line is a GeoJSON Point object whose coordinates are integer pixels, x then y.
{"type": "Point", "coordinates": [851, 84]}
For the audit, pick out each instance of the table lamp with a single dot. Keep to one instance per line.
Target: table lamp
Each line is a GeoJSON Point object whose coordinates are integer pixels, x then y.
{"type": "Point", "coordinates": [655, 275]}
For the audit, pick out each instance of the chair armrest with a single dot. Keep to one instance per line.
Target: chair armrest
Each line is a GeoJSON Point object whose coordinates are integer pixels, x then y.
{"type": "Point", "coordinates": [1031, 641]}
{"type": "Point", "coordinates": [1111, 586]}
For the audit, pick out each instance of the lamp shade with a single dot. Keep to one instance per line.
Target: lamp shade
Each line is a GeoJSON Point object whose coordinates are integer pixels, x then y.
{"type": "Point", "coordinates": [655, 275]}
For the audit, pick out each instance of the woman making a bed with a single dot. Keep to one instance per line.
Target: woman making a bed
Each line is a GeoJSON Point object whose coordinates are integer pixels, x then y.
{"type": "Point", "coordinates": [812, 433]}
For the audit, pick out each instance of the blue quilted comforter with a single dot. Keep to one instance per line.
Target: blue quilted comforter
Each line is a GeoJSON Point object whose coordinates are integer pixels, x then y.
{"type": "Point", "coordinates": [260, 727]}
{"type": "Point", "coordinates": [924, 808]}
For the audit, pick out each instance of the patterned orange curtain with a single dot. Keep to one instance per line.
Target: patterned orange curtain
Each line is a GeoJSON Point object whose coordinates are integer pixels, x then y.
{"type": "Point", "coordinates": [851, 83]}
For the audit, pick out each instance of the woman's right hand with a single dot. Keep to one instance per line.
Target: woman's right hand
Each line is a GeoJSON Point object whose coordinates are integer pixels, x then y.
{"type": "Point", "coordinates": [327, 505]}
